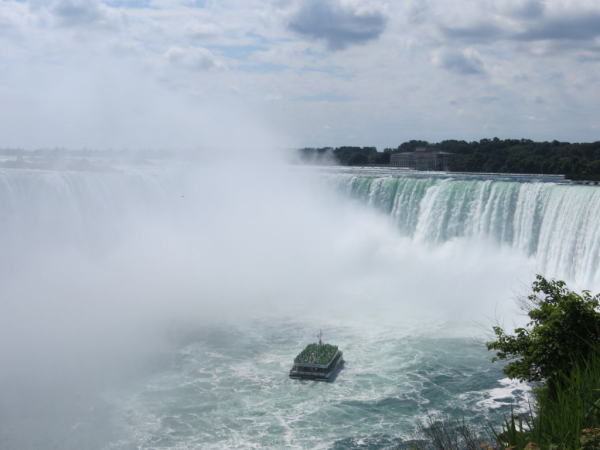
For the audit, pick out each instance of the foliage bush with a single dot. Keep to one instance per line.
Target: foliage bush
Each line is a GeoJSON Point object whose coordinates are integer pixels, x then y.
{"type": "Point", "coordinates": [563, 331]}
{"type": "Point", "coordinates": [567, 419]}
{"type": "Point", "coordinates": [559, 349]}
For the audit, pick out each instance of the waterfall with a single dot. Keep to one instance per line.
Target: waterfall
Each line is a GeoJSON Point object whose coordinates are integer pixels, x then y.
{"type": "Point", "coordinates": [557, 224]}
{"type": "Point", "coordinates": [83, 212]}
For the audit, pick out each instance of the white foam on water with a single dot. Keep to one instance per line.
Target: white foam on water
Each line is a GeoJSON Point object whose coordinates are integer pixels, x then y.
{"type": "Point", "coordinates": [513, 393]}
{"type": "Point", "coordinates": [389, 381]}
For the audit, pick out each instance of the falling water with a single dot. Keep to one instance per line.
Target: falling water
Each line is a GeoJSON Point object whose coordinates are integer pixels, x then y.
{"type": "Point", "coordinates": [555, 223]}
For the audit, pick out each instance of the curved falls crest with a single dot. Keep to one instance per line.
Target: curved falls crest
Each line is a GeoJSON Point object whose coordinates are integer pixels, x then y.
{"type": "Point", "coordinates": [557, 224]}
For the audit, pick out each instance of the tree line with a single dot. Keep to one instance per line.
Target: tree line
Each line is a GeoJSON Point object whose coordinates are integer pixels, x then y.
{"type": "Point", "coordinates": [577, 161]}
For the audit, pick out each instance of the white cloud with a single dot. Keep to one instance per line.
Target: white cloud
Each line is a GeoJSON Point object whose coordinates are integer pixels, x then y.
{"type": "Point", "coordinates": [126, 48]}
{"type": "Point", "coordinates": [79, 13]}
{"type": "Point", "coordinates": [201, 31]}
{"type": "Point", "coordinates": [403, 65]}
{"type": "Point", "coordinates": [14, 18]}
{"type": "Point", "coordinates": [522, 9]}
{"type": "Point", "coordinates": [192, 58]}
{"type": "Point", "coordinates": [273, 98]}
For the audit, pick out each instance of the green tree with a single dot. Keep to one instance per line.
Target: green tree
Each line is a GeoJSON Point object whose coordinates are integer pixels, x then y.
{"type": "Point", "coordinates": [357, 159]}
{"type": "Point", "coordinates": [563, 331]}
{"type": "Point", "coordinates": [410, 146]}
{"type": "Point", "coordinates": [379, 158]}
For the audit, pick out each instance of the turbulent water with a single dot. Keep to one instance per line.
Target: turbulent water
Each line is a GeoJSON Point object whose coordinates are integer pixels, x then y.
{"type": "Point", "coordinates": [230, 390]}
{"type": "Point", "coordinates": [151, 308]}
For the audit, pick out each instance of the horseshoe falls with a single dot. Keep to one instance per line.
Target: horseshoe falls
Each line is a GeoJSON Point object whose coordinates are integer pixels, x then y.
{"type": "Point", "coordinates": [557, 224]}
{"type": "Point", "coordinates": [160, 306]}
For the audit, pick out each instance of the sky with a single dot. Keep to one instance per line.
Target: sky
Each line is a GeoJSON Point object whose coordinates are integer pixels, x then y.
{"type": "Point", "coordinates": [292, 73]}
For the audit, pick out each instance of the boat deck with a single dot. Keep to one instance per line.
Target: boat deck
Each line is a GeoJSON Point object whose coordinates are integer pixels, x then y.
{"type": "Point", "coordinates": [317, 372]}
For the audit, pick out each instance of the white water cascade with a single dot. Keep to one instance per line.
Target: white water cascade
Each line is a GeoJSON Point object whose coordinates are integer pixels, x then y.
{"type": "Point", "coordinates": [557, 224]}
{"type": "Point", "coordinates": [81, 211]}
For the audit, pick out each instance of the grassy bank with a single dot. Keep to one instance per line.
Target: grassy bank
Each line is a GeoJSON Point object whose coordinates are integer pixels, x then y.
{"type": "Point", "coordinates": [567, 417]}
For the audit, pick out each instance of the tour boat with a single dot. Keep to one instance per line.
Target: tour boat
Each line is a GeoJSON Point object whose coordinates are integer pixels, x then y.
{"type": "Point", "coordinates": [317, 362]}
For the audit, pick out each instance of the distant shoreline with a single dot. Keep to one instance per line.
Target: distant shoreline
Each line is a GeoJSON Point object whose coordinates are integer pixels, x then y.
{"type": "Point", "coordinates": [576, 161]}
